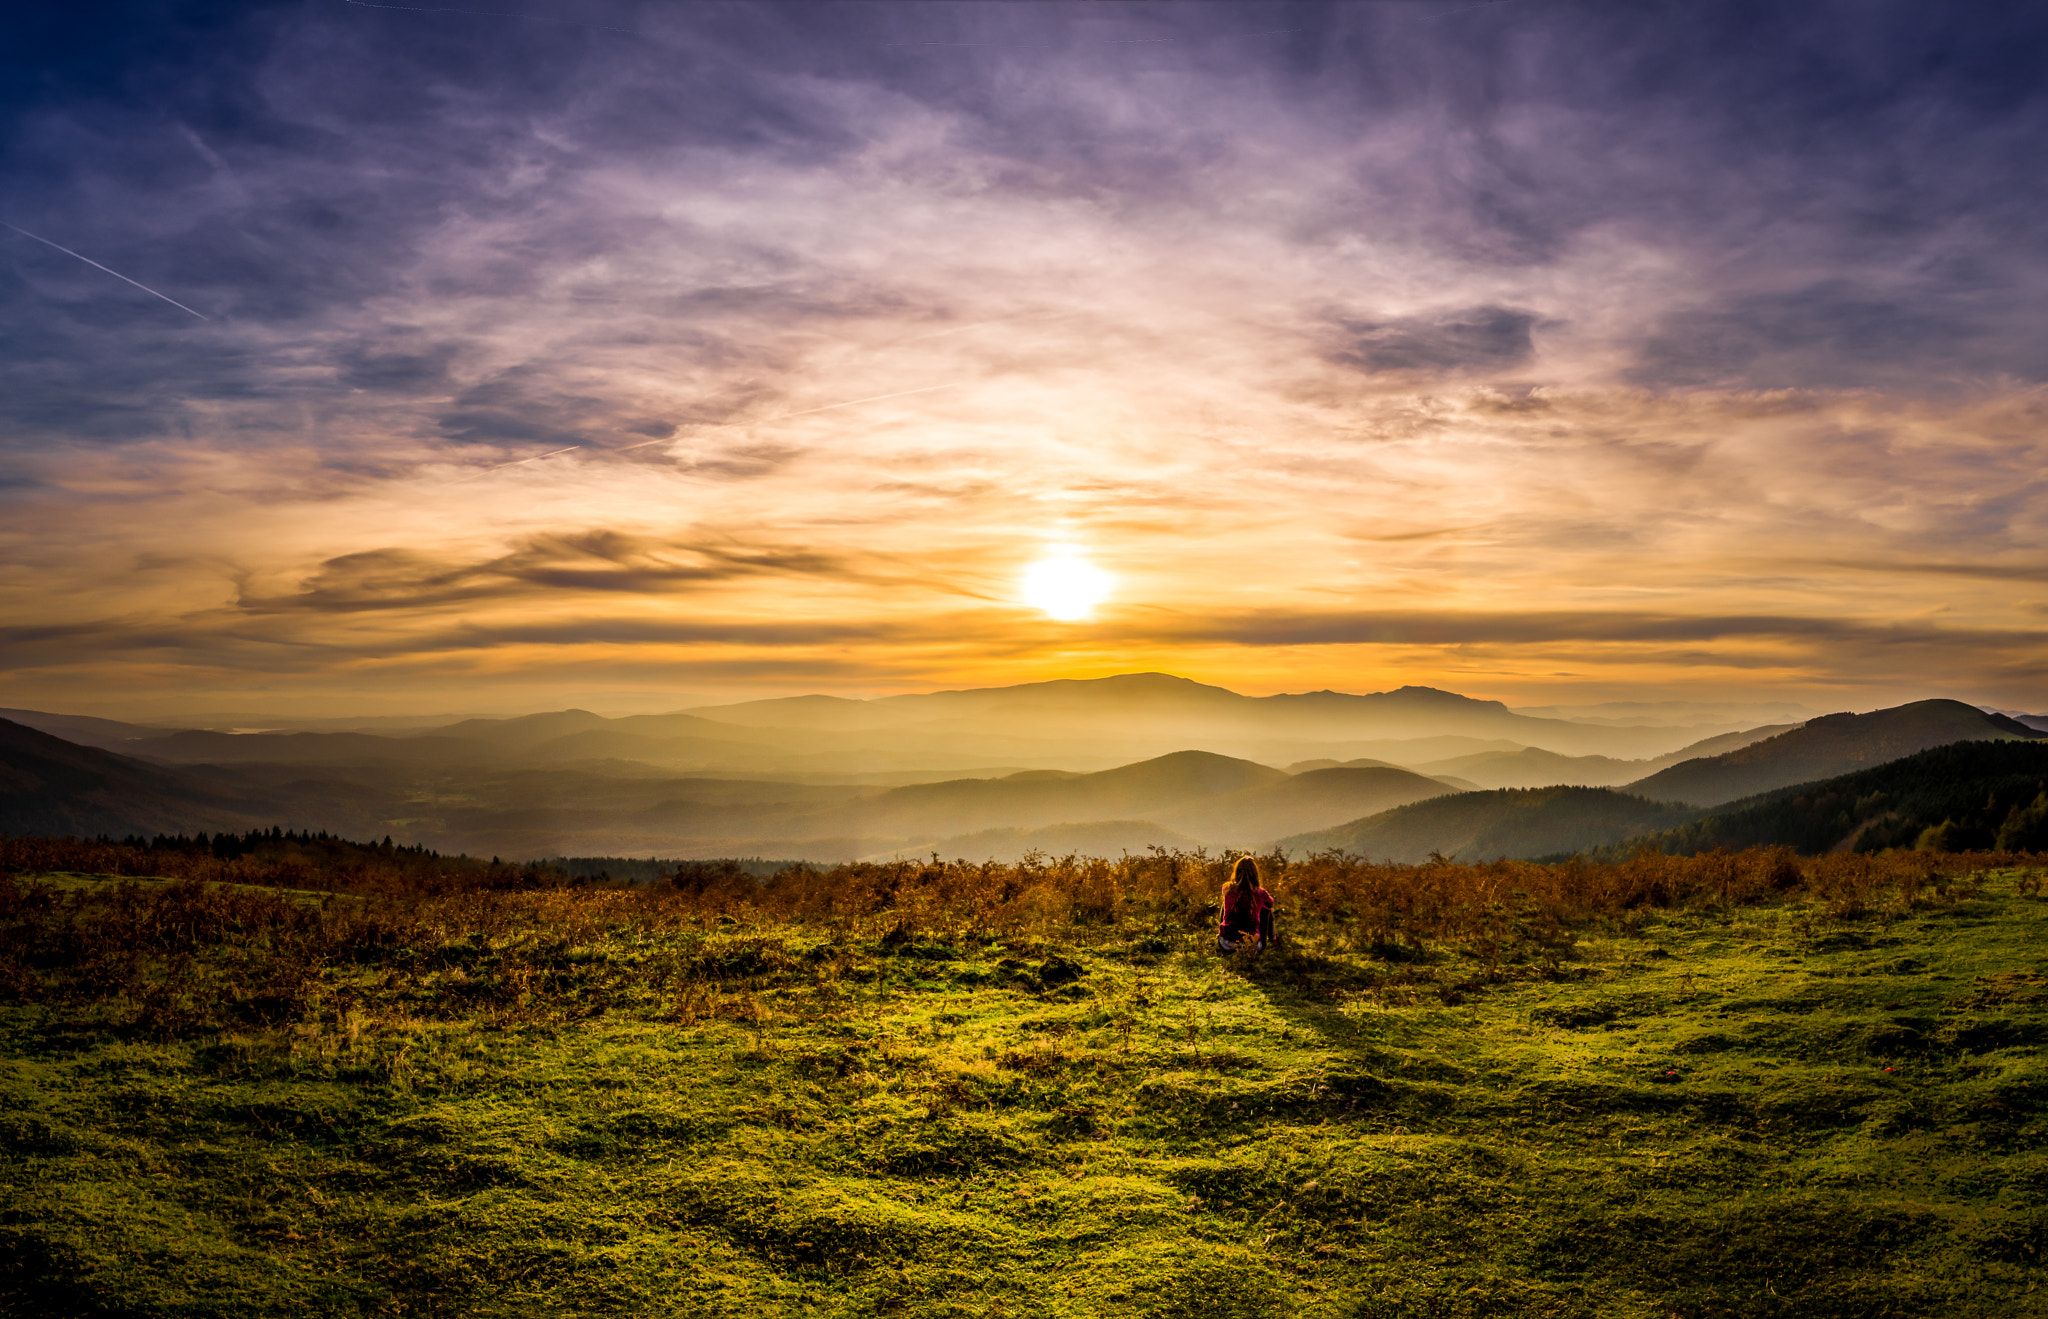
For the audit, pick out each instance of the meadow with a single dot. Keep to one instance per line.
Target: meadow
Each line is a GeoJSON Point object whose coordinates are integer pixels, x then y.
{"type": "Point", "coordinates": [304, 1077]}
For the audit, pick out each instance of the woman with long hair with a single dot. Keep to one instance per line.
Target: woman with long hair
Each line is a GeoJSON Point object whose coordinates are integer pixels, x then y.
{"type": "Point", "coordinates": [1247, 908]}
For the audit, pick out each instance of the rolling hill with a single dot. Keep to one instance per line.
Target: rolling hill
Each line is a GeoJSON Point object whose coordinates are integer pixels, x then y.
{"type": "Point", "coordinates": [1966, 796]}
{"type": "Point", "coordinates": [1081, 725]}
{"type": "Point", "coordinates": [1407, 753]}
{"type": "Point", "coordinates": [1533, 767]}
{"type": "Point", "coordinates": [1825, 747]}
{"type": "Point", "coordinates": [50, 786]}
{"type": "Point", "coordinates": [1506, 822]}
{"type": "Point", "coordinates": [83, 730]}
{"type": "Point", "coordinates": [456, 802]}
{"type": "Point", "coordinates": [573, 782]}
{"type": "Point", "coordinates": [1036, 799]}
{"type": "Point", "coordinates": [1361, 762]}
{"type": "Point", "coordinates": [1137, 707]}
{"type": "Point", "coordinates": [1254, 817]}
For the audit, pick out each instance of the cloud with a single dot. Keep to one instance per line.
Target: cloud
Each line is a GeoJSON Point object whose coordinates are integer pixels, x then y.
{"type": "Point", "coordinates": [1448, 628]}
{"type": "Point", "coordinates": [1475, 338]}
{"type": "Point", "coordinates": [1693, 339]}
{"type": "Point", "coordinates": [591, 561]}
{"type": "Point", "coordinates": [395, 363]}
{"type": "Point", "coordinates": [1835, 334]}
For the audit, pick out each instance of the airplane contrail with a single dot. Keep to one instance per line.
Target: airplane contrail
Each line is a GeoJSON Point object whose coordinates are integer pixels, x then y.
{"type": "Point", "coordinates": [516, 462]}
{"type": "Point", "coordinates": [109, 269]}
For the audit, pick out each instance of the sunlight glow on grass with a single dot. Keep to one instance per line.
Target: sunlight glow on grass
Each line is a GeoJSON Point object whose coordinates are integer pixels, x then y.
{"type": "Point", "coordinates": [1065, 585]}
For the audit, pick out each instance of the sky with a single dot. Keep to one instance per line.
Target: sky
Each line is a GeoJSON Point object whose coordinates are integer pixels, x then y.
{"type": "Point", "coordinates": [379, 358]}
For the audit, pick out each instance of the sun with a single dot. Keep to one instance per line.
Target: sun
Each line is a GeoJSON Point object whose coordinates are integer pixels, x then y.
{"type": "Point", "coordinates": [1065, 585]}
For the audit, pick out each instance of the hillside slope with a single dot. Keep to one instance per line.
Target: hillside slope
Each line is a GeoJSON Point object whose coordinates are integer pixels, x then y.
{"type": "Point", "coordinates": [1151, 705]}
{"type": "Point", "coordinates": [1316, 799]}
{"type": "Point", "coordinates": [1967, 796]}
{"type": "Point", "coordinates": [1082, 724]}
{"type": "Point", "coordinates": [1035, 798]}
{"type": "Point", "coordinates": [50, 786]}
{"type": "Point", "coordinates": [1533, 767]}
{"type": "Point", "coordinates": [1506, 765]}
{"type": "Point", "coordinates": [1510, 822]}
{"type": "Point", "coordinates": [1825, 747]}
{"type": "Point", "coordinates": [84, 730]}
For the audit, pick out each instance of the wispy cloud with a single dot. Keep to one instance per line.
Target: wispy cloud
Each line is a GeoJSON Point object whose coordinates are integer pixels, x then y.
{"type": "Point", "coordinates": [591, 561]}
{"type": "Point", "coordinates": [1651, 346]}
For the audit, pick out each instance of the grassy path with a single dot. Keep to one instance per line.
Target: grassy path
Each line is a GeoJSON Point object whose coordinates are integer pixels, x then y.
{"type": "Point", "coordinates": [1761, 1112]}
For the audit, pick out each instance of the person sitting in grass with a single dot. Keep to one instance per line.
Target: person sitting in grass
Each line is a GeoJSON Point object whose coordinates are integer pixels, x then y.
{"type": "Point", "coordinates": [1247, 909]}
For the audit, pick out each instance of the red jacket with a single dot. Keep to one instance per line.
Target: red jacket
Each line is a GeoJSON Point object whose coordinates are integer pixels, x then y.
{"type": "Point", "coordinates": [1248, 910]}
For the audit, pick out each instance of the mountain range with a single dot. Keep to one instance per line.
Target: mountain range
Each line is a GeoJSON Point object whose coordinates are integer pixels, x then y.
{"type": "Point", "coordinates": [1830, 745]}
{"type": "Point", "coordinates": [1965, 796]}
{"type": "Point", "coordinates": [1185, 799]}
{"type": "Point", "coordinates": [1070, 724]}
{"type": "Point", "coordinates": [1668, 810]}
{"type": "Point", "coordinates": [995, 772]}
{"type": "Point", "coordinates": [50, 786]}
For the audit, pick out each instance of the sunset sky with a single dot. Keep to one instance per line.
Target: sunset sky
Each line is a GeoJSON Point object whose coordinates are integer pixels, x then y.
{"type": "Point", "coordinates": [512, 355]}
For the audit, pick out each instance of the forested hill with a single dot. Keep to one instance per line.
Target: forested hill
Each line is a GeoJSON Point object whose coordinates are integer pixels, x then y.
{"type": "Point", "coordinates": [50, 786]}
{"type": "Point", "coordinates": [1828, 746]}
{"type": "Point", "coordinates": [1967, 796]}
{"type": "Point", "coordinates": [1510, 822]}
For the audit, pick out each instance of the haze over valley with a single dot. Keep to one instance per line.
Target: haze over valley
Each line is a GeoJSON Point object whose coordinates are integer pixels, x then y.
{"type": "Point", "coordinates": [1105, 766]}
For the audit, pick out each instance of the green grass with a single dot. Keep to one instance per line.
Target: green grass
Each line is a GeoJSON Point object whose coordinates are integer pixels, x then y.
{"type": "Point", "coordinates": [1688, 1117]}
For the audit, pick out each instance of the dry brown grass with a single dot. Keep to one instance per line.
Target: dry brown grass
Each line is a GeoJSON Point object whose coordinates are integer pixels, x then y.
{"type": "Point", "coordinates": [251, 940]}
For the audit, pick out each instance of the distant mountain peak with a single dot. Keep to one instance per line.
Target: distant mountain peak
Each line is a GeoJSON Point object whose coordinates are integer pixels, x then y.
{"type": "Point", "coordinates": [1441, 696]}
{"type": "Point", "coordinates": [1150, 680]}
{"type": "Point", "coordinates": [1410, 695]}
{"type": "Point", "coordinates": [1192, 756]}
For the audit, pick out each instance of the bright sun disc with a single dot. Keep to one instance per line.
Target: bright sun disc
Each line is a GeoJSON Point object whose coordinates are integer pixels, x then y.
{"type": "Point", "coordinates": [1065, 586]}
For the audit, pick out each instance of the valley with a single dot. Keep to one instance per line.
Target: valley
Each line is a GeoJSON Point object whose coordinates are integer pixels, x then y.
{"type": "Point", "coordinates": [997, 774]}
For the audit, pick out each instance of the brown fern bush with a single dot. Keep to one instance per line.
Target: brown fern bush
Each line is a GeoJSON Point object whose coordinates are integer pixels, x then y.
{"type": "Point", "coordinates": [176, 941]}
